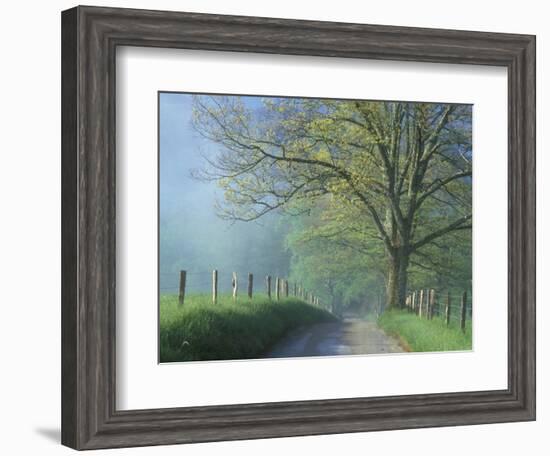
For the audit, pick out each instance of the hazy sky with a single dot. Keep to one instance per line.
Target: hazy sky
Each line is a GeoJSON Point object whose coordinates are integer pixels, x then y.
{"type": "Point", "coordinates": [192, 236]}
{"type": "Point", "coordinates": [179, 153]}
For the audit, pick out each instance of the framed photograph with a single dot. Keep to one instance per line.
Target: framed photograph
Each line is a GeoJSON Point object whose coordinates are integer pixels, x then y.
{"type": "Point", "coordinates": [280, 228]}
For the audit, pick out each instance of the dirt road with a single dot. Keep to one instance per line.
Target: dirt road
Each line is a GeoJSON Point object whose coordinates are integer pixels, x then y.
{"type": "Point", "coordinates": [348, 337]}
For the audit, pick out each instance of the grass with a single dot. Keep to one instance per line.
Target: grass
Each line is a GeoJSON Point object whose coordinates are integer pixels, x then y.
{"type": "Point", "coordinates": [423, 335]}
{"type": "Point", "coordinates": [200, 330]}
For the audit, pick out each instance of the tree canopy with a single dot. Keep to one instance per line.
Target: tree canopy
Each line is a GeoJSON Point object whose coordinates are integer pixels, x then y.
{"type": "Point", "coordinates": [374, 186]}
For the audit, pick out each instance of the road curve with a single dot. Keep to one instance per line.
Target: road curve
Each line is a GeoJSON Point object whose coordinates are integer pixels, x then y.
{"type": "Point", "coordinates": [348, 337]}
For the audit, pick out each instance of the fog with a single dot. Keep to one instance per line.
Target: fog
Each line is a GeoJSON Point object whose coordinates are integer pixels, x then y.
{"type": "Point", "coordinates": [192, 236]}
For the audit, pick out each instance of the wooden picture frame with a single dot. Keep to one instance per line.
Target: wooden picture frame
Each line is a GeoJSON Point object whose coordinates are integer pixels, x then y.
{"type": "Point", "coordinates": [90, 36]}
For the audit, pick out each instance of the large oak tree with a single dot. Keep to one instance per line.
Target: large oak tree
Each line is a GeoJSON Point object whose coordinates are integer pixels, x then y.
{"type": "Point", "coordinates": [399, 173]}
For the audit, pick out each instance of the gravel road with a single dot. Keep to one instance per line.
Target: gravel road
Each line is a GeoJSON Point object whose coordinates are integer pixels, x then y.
{"type": "Point", "coordinates": [348, 337]}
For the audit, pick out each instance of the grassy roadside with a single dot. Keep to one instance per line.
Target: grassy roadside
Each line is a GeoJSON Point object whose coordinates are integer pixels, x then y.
{"type": "Point", "coordinates": [423, 335]}
{"type": "Point", "coordinates": [200, 330]}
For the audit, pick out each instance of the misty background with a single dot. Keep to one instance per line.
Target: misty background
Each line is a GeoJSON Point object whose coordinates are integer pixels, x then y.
{"type": "Point", "coordinates": [191, 236]}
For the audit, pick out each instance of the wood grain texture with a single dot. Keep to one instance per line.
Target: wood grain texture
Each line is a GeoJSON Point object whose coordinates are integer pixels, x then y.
{"type": "Point", "coordinates": [89, 39]}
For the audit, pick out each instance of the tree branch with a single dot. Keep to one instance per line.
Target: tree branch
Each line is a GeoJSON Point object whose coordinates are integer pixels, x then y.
{"type": "Point", "coordinates": [456, 225]}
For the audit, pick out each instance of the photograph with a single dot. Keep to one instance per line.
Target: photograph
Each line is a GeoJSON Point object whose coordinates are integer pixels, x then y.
{"type": "Point", "coordinates": [297, 227]}
{"type": "Point", "coordinates": [274, 222]}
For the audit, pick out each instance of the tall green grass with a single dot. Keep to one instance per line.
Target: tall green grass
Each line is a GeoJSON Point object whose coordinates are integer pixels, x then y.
{"type": "Point", "coordinates": [423, 335]}
{"type": "Point", "coordinates": [200, 330]}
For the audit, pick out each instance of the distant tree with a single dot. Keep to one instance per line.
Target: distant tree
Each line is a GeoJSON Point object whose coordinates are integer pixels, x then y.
{"type": "Point", "coordinates": [399, 173]}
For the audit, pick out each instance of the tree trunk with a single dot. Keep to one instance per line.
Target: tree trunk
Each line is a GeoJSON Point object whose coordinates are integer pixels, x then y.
{"type": "Point", "coordinates": [396, 285]}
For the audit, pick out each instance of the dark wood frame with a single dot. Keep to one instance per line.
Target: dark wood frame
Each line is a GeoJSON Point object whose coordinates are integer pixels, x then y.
{"type": "Point", "coordinates": [90, 36]}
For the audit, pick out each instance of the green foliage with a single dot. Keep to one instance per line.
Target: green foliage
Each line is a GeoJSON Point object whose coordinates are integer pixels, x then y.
{"type": "Point", "coordinates": [241, 329]}
{"type": "Point", "coordinates": [333, 255]}
{"type": "Point", "coordinates": [423, 335]}
{"type": "Point", "coordinates": [381, 189]}
{"type": "Point", "coordinates": [445, 266]}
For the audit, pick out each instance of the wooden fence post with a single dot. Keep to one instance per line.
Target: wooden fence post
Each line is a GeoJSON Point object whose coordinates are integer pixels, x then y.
{"type": "Point", "coordinates": [234, 285]}
{"type": "Point", "coordinates": [431, 304]}
{"type": "Point", "coordinates": [277, 287]}
{"type": "Point", "coordinates": [215, 286]}
{"type": "Point", "coordinates": [268, 285]}
{"type": "Point", "coordinates": [426, 312]}
{"type": "Point", "coordinates": [463, 311]}
{"type": "Point", "coordinates": [427, 305]}
{"type": "Point", "coordinates": [250, 284]}
{"type": "Point", "coordinates": [183, 275]}
{"type": "Point", "coordinates": [448, 309]}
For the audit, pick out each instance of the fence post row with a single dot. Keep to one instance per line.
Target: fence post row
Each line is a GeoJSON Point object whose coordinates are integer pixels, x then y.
{"type": "Point", "coordinates": [424, 303]}
{"type": "Point", "coordinates": [183, 276]}
{"type": "Point", "coordinates": [281, 286]}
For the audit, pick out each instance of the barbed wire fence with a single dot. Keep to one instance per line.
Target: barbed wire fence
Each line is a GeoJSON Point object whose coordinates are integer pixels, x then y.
{"type": "Point", "coordinates": [451, 306]}
{"type": "Point", "coordinates": [217, 283]}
